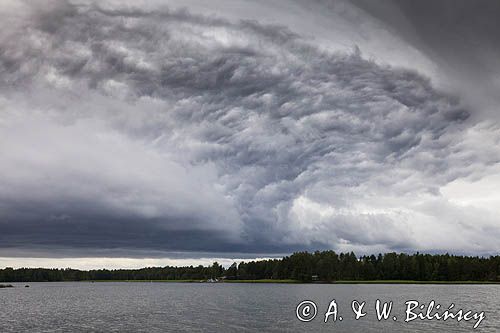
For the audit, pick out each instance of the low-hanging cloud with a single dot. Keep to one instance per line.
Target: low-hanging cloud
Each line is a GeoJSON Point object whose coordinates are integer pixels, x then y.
{"type": "Point", "coordinates": [126, 128]}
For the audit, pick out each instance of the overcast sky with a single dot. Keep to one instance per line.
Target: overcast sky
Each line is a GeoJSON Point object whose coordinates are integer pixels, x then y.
{"type": "Point", "coordinates": [137, 133]}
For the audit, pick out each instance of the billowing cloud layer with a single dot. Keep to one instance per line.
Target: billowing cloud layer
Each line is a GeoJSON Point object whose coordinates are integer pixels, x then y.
{"type": "Point", "coordinates": [163, 129]}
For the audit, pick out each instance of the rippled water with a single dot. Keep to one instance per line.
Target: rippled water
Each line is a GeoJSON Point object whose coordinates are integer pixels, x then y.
{"type": "Point", "coordinates": [192, 307]}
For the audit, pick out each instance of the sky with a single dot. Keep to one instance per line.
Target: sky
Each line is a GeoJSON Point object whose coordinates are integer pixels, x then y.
{"type": "Point", "coordinates": [141, 133]}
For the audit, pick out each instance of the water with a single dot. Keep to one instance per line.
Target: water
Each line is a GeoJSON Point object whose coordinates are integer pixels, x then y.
{"type": "Point", "coordinates": [193, 307]}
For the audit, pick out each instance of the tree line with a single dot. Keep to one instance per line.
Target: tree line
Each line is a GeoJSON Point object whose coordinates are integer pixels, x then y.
{"type": "Point", "coordinates": [327, 266]}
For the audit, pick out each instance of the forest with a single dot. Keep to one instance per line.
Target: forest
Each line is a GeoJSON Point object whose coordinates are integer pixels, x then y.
{"type": "Point", "coordinates": [319, 266]}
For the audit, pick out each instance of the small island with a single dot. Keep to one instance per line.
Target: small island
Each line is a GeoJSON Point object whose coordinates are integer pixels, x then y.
{"type": "Point", "coordinates": [6, 286]}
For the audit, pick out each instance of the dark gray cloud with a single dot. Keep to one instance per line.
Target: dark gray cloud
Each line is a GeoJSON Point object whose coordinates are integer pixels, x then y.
{"type": "Point", "coordinates": [131, 129]}
{"type": "Point", "coordinates": [462, 37]}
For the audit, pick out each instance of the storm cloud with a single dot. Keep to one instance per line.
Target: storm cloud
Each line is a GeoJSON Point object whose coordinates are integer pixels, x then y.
{"type": "Point", "coordinates": [156, 128]}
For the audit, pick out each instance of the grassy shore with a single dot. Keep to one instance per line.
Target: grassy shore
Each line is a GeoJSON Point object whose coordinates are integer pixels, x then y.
{"type": "Point", "coordinates": [172, 281]}
{"type": "Point", "coordinates": [414, 282]}
{"type": "Point", "coordinates": [262, 281]}
{"type": "Point", "coordinates": [202, 281]}
{"type": "Point", "coordinates": [288, 281]}
{"type": "Point", "coordinates": [365, 282]}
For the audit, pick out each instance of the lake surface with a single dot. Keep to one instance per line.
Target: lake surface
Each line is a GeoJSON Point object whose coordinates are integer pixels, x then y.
{"type": "Point", "coordinates": [193, 307]}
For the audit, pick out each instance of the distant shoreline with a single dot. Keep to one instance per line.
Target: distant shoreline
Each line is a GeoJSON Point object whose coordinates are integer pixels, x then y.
{"type": "Point", "coordinates": [306, 267]}
{"type": "Point", "coordinates": [270, 281]}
